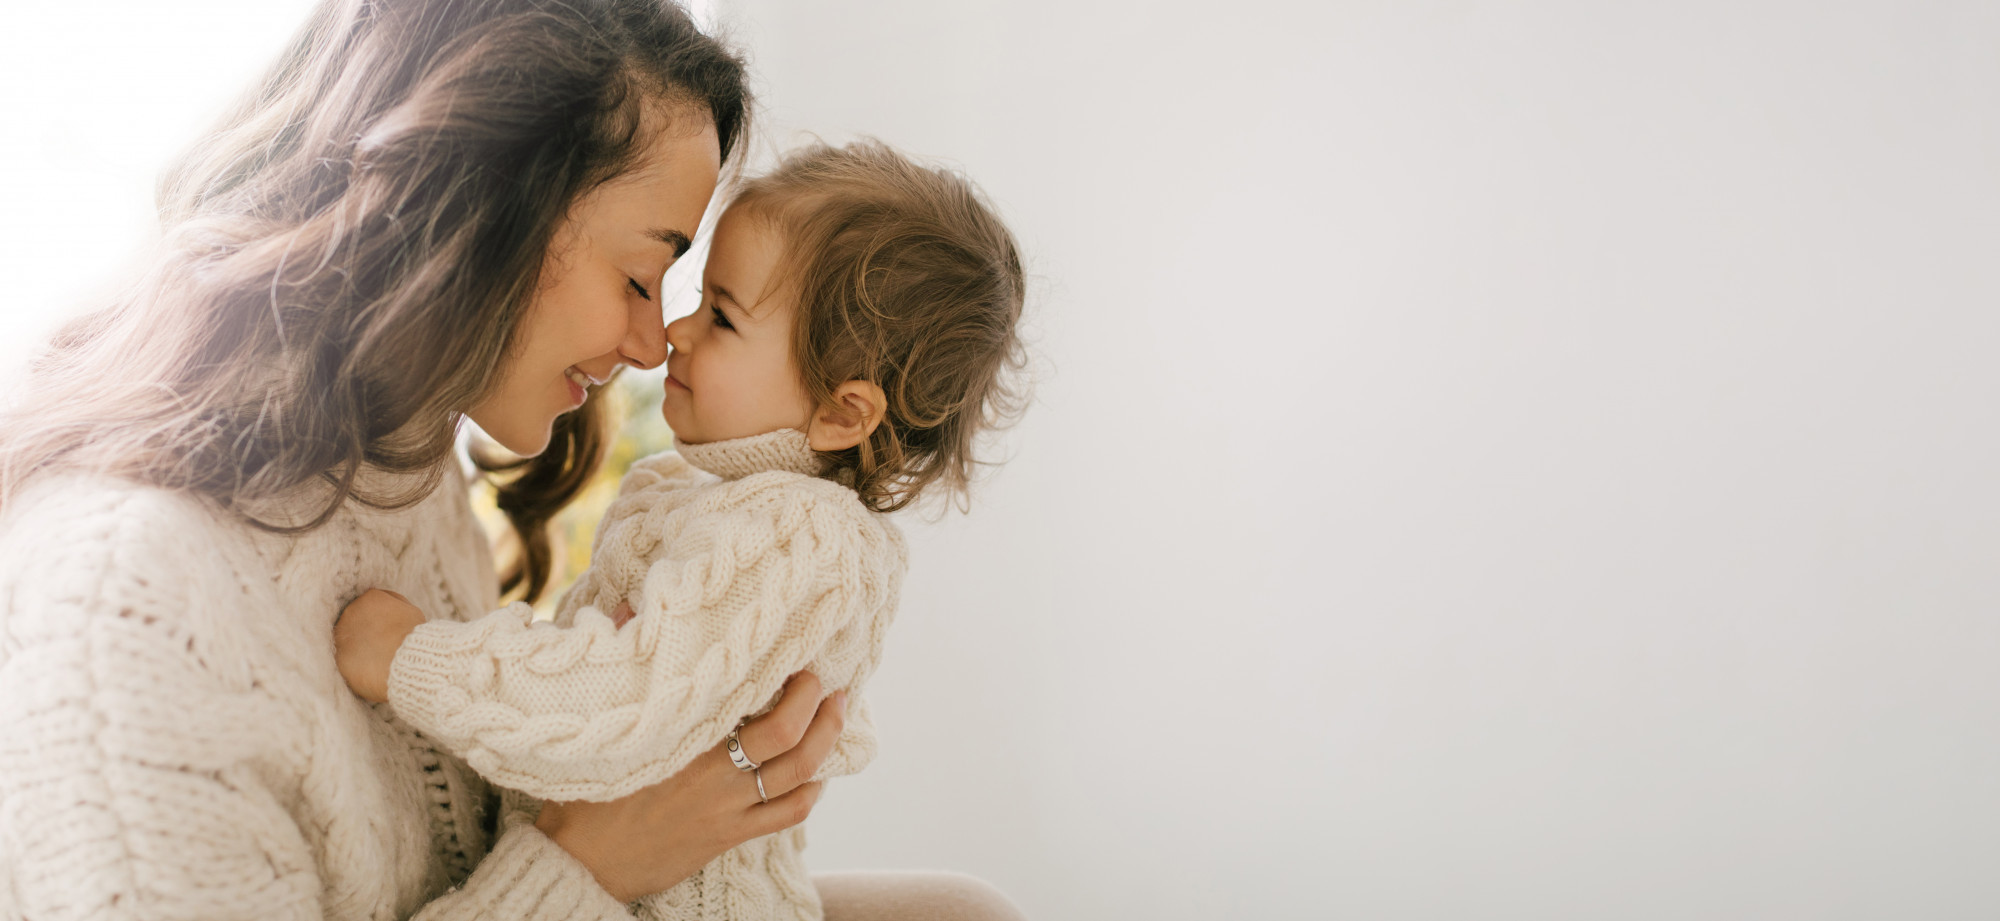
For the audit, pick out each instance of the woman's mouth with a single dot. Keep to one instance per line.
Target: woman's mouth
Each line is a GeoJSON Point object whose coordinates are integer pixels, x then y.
{"type": "Point", "coordinates": [578, 384]}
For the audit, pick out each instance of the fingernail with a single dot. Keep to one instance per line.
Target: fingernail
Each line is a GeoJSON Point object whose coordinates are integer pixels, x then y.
{"type": "Point", "coordinates": [840, 702]}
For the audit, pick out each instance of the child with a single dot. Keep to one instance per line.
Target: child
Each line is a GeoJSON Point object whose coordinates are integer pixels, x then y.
{"type": "Point", "coordinates": [857, 319]}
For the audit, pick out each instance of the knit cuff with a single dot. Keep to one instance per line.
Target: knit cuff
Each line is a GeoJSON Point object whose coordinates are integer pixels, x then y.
{"type": "Point", "coordinates": [527, 876]}
{"type": "Point", "coordinates": [422, 688]}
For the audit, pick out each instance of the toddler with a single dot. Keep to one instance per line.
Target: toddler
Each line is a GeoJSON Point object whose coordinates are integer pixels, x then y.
{"type": "Point", "coordinates": [857, 321]}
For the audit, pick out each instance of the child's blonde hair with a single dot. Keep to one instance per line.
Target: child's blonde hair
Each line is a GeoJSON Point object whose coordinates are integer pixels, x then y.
{"type": "Point", "coordinates": [907, 279]}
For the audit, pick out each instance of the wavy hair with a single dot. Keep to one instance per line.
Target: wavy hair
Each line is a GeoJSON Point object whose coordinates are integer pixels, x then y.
{"type": "Point", "coordinates": [905, 278]}
{"type": "Point", "coordinates": [347, 256]}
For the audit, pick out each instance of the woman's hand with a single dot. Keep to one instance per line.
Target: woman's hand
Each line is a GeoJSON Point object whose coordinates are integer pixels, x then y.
{"type": "Point", "coordinates": [655, 838]}
{"type": "Point", "coordinates": [365, 639]}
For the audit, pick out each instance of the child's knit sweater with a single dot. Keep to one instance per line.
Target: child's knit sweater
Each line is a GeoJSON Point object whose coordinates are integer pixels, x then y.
{"type": "Point", "coordinates": [737, 576]}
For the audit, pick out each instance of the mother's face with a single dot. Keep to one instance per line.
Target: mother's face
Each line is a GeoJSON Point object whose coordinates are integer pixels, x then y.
{"type": "Point", "coordinates": [599, 303]}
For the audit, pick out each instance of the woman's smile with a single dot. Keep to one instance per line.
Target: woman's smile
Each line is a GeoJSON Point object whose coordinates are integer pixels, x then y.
{"type": "Point", "coordinates": [578, 384]}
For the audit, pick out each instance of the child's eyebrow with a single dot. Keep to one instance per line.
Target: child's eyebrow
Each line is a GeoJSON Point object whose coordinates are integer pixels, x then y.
{"type": "Point", "coordinates": [674, 238]}
{"type": "Point", "coordinates": [723, 294]}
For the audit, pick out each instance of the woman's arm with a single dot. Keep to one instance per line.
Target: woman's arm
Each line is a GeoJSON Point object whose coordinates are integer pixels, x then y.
{"type": "Point", "coordinates": [654, 838]}
{"type": "Point", "coordinates": [710, 805]}
{"type": "Point", "coordinates": [783, 579]}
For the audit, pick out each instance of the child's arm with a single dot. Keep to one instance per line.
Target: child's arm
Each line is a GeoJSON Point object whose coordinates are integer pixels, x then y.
{"type": "Point", "coordinates": [757, 580]}
{"type": "Point", "coordinates": [373, 627]}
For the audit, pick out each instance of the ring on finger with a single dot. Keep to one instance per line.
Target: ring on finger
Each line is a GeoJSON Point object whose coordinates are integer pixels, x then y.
{"type": "Point", "coordinates": [760, 785]}
{"type": "Point", "coordinates": [737, 756]}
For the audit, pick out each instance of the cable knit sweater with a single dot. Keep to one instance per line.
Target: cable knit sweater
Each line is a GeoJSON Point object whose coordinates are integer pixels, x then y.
{"type": "Point", "coordinates": [741, 568]}
{"type": "Point", "coordinates": [176, 743]}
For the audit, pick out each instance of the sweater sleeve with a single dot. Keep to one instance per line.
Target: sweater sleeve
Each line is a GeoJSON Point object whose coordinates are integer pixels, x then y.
{"type": "Point", "coordinates": [136, 776]}
{"type": "Point", "coordinates": [526, 876]}
{"type": "Point", "coordinates": [737, 588]}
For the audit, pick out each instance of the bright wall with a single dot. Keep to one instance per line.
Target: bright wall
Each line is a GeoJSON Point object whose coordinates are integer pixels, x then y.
{"type": "Point", "coordinates": [1493, 460]}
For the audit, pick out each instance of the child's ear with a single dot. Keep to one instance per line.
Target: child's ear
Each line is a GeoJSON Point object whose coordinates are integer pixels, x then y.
{"type": "Point", "coordinates": [849, 418]}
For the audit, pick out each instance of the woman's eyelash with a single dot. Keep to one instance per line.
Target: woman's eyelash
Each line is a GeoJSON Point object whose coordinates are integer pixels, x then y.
{"type": "Point", "coordinates": [720, 320]}
{"type": "Point", "coordinates": [636, 286]}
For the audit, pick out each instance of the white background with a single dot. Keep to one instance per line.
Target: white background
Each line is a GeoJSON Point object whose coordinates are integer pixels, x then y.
{"type": "Point", "coordinates": [1491, 461]}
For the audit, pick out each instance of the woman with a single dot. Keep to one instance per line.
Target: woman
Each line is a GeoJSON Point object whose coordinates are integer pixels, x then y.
{"type": "Point", "coordinates": [427, 209]}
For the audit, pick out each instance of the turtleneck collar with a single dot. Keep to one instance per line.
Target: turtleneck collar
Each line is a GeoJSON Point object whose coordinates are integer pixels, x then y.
{"type": "Point", "coordinates": [784, 449]}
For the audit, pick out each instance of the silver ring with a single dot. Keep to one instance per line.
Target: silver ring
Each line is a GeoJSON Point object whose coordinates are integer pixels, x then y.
{"type": "Point", "coordinates": [760, 785]}
{"type": "Point", "coordinates": [736, 755]}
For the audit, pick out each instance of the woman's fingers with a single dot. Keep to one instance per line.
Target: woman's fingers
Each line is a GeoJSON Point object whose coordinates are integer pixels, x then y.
{"type": "Point", "coordinates": [775, 733]}
{"type": "Point", "coordinates": [783, 812]}
{"type": "Point", "coordinates": [660, 835]}
{"type": "Point", "coordinates": [789, 771]}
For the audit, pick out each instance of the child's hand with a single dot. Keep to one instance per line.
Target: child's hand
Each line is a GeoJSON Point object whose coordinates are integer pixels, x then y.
{"type": "Point", "coordinates": [365, 639]}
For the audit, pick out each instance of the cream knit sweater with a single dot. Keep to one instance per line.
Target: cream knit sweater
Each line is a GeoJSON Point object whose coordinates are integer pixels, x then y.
{"type": "Point", "coordinates": [176, 743]}
{"type": "Point", "coordinates": [737, 577]}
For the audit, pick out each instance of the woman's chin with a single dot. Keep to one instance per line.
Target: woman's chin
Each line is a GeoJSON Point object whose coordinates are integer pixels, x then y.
{"type": "Point", "coordinates": [524, 441]}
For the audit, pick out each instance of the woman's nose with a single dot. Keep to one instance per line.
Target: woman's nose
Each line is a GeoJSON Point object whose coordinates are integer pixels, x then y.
{"type": "Point", "coordinates": [645, 344]}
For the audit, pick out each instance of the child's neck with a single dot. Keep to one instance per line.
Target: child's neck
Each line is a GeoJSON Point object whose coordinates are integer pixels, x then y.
{"type": "Point", "coordinates": [783, 449]}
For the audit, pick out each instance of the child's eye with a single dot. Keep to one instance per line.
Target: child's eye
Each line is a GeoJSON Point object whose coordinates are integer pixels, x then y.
{"type": "Point", "coordinates": [720, 320]}
{"type": "Point", "coordinates": [641, 289]}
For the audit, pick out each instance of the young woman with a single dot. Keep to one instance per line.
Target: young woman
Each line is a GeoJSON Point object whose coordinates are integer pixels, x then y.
{"type": "Point", "coordinates": [428, 209]}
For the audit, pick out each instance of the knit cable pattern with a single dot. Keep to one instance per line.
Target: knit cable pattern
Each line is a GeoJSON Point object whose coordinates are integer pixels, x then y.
{"type": "Point", "coordinates": [734, 584]}
{"type": "Point", "coordinates": [175, 742]}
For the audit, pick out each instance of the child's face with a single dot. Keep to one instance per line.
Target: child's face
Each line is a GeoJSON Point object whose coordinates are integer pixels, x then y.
{"type": "Point", "coordinates": [730, 373]}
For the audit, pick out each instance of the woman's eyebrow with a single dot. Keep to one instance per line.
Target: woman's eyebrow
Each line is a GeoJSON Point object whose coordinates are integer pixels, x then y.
{"type": "Point", "coordinates": [674, 238]}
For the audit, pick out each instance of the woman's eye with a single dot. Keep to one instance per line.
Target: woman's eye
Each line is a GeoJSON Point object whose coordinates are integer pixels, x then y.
{"type": "Point", "coordinates": [642, 290]}
{"type": "Point", "coordinates": [720, 320]}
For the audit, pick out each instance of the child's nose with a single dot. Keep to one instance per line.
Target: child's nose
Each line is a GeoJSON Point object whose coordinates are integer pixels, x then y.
{"type": "Point", "coordinates": [679, 332]}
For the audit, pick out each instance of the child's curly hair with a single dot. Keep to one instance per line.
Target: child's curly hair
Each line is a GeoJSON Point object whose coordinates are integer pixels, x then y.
{"type": "Point", "coordinates": [905, 278]}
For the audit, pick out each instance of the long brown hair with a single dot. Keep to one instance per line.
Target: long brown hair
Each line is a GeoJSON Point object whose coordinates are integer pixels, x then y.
{"type": "Point", "coordinates": [905, 278]}
{"type": "Point", "coordinates": [346, 257]}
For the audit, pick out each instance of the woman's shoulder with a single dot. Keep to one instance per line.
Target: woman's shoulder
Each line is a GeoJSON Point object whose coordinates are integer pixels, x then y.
{"type": "Point", "coordinates": [88, 516]}
{"type": "Point", "coordinates": [75, 511]}
{"type": "Point", "coordinates": [158, 586]}
{"type": "Point", "coordinates": [79, 538]}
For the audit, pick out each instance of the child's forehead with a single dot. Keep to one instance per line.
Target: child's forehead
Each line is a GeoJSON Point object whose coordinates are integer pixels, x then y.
{"type": "Point", "coordinates": [745, 264]}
